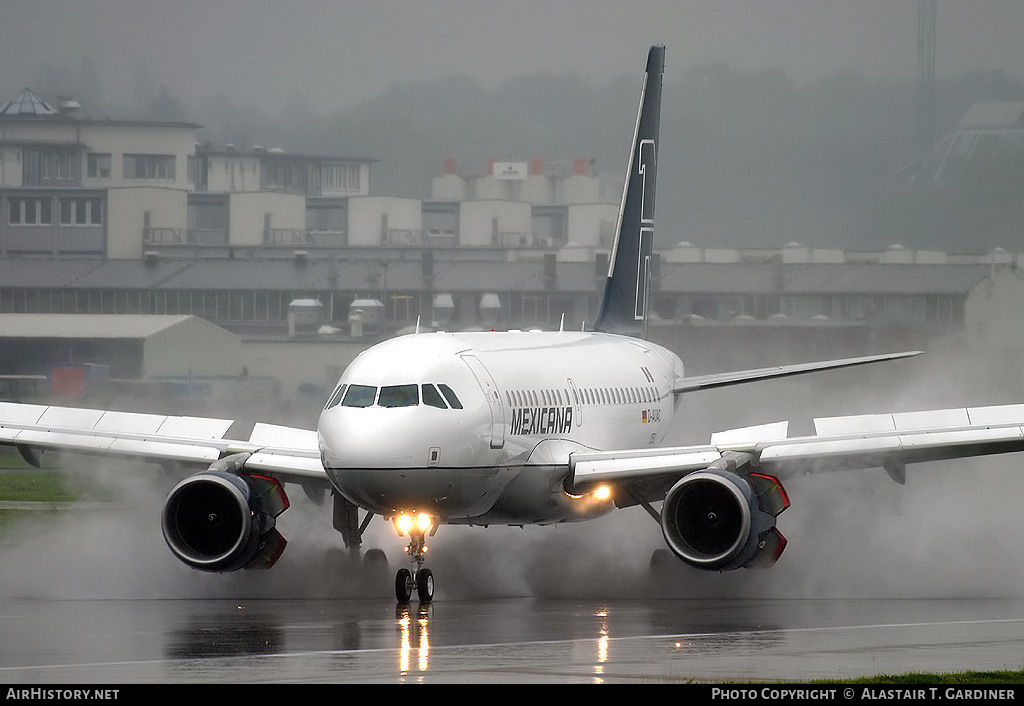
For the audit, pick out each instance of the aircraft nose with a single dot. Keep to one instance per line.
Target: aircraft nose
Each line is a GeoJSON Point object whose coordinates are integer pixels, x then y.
{"type": "Point", "coordinates": [366, 438]}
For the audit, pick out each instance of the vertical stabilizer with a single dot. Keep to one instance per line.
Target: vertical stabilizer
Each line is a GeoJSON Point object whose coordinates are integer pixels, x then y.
{"type": "Point", "coordinates": [624, 303]}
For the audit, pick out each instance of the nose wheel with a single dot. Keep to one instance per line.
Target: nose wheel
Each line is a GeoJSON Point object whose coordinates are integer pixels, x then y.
{"type": "Point", "coordinates": [422, 582]}
{"type": "Point", "coordinates": [418, 579]}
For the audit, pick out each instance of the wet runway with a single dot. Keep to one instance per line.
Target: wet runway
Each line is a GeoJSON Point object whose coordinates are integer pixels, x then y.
{"type": "Point", "coordinates": [93, 597]}
{"type": "Point", "coordinates": [504, 640]}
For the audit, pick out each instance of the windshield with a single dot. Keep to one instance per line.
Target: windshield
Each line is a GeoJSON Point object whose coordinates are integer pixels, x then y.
{"type": "Point", "coordinates": [359, 396]}
{"type": "Point", "coordinates": [432, 397]}
{"type": "Point", "coordinates": [395, 396]}
{"type": "Point", "coordinates": [449, 395]}
{"type": "Point", "coordinates": [336, 397]}
{"type": "Point", "coordinates": [399, 396]}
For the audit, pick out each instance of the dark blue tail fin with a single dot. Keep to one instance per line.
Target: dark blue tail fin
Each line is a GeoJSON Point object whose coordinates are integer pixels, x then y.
{"type": "Point", "coordinates": [624, 304]}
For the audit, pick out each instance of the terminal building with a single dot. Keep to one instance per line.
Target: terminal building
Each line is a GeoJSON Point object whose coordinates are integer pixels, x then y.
{"type": "Point", "coordinates": [137, 218]}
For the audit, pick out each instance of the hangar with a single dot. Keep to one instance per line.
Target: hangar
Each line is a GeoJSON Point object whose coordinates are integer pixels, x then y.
{"type": "Point", "coordinates": [103, 346]}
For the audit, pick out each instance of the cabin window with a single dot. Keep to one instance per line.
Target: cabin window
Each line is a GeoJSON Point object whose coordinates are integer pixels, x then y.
{"type": "Point", "coordinates": [359, 396]}
{"type": "Point", "coordinates": [432, 398]}
{"type": "Point", "coordinates": [449, 394]}
{"type": "Point", "coordinates": [399, 396]}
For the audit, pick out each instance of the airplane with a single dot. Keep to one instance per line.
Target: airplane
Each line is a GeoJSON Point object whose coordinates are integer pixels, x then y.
{"type": "Point", "coordinates": [514, 428]}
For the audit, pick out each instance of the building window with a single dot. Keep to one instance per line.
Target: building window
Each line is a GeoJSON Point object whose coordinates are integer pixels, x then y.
{"type": "Point", "coordinates": [81, 212]}
{"type": "Point", "coordinates": [533, 308]}
{"type": "Point", "coordinates": [403, 307]}
{"type": "Point", "coordinates": [339, 177]}
{"type": "Point", "coordinates": [29, 212]}
{"type": "Point", "coordinates": [49, 166]}
{"type": "Point", "coordinates": [282, 174]}
{"type": "Point", "coordinates": [97, 165]}
{"type": "Point", "coordinates": [149, 166]}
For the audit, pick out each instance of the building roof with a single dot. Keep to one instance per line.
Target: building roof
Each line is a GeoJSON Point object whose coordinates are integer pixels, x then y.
{"type": "Point", "coordinates": [87, 325]}
{"type": "Point", "coordinates": [29, 106]}
{"type": "Point", "coordinates": [276, 153]}
{"type": "Point", "coordinates": [27, 103]}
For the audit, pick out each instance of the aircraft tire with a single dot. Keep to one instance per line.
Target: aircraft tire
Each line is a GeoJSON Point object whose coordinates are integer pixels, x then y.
{"type": "Point", "coordinates": [403, 585]}
{"type": "Point", "coordinates": [425, 585]}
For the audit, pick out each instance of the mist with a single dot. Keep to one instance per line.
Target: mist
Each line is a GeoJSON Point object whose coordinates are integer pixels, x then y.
{"type": "Point", "coordinates": [950, 532]}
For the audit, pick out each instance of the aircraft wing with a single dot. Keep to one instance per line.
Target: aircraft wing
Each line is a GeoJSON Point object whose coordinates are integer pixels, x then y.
{"type": "Point", "coordinates": [706, 382]}
{"type": "Point", "coordinates": [288, 454]}
{"type": "Point", "coordinates": [890, 441]}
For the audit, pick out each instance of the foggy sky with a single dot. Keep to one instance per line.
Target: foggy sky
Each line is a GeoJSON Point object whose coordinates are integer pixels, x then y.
{"type": "Point", "coordinates": [338, 53]}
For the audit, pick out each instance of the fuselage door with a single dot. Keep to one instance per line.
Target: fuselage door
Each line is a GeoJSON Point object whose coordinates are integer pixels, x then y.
{"type": "Point", "coordinates": [493, 400]}
{"type": "Point", "coordinates": [577, 402]}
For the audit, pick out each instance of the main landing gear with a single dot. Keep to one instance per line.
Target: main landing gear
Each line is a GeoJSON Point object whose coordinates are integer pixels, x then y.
{"type": "Point", "coordinates": [419, 579]}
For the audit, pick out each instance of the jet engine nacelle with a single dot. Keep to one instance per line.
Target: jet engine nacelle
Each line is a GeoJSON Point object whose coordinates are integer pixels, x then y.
{"type": "Point", "coordinates": [222, 521]}
{"type": "Point", "coordinates": [719, 521]}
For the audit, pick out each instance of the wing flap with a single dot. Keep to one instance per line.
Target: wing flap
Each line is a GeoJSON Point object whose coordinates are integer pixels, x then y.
{"type": "Point", "coordinates": [289, 466]}
{"type": "Point", "coordinates": [901, 437]}
{"type": "Point", "coordinates": [1001, 414]}
{"type": "Point", "coordinates": [180, 451]}
{"type": "Point", "coordinates": [264, 434]}
{"type": "Point", "coordinates": [862, 441]}
{"type": "Point", "coordinates": [285, 452]}
{"type": "Point", "coordinates": [812, 454]}
{"type": "Point", "coordinates": [602, 467]}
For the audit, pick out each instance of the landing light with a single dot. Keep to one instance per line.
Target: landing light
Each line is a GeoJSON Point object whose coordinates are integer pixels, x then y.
{"type": "Point", "coordinates": [405, 523]}
{"type": "Point", "coordinates": [602, 492]}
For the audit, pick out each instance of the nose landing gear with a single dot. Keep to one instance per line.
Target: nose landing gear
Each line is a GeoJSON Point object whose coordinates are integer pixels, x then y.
{"type": "Point", "coordinates": [419, 579]}
{"type": "Point", "coordinates": [423, 583]}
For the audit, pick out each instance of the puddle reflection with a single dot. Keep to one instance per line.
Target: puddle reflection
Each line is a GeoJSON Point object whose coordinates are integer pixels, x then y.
{"type": "Point", "coordinates": [414, 632]}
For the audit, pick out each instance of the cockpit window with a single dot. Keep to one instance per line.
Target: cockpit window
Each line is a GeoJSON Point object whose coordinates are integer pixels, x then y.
{"type": "Point", "coordinates": [449, 395]}
{"type": "Point", "coordinates": [336, 397]}
{"type": "Point", "coordinates": [394, 396]}
{"type": "Point", "coordinates": [399, 396]}
{"type": "Point", "coordinates": [359, 396]}
{"type": "Point", "coordinates": [432, 397]}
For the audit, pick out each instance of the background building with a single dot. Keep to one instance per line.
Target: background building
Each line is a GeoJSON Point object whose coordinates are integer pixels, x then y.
{"type": "Point", "coordinates": [295, 258]}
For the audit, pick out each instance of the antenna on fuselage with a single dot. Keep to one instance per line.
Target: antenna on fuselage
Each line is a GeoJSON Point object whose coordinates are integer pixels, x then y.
{"type": "Point", "coordinates": [561, 324]}
{"type": "Point", "coordinates": [417, 324]}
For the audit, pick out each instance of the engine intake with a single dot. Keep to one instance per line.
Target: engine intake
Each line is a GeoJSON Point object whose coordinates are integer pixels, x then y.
{"type": "Point", "coordinates": [220, 521]}
{"type": "Point", "coordinates": [719, 521]}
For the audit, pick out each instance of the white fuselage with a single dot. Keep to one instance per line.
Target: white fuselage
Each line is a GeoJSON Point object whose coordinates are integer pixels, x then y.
{"type": "Point", "coordinates": [393, 439]}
